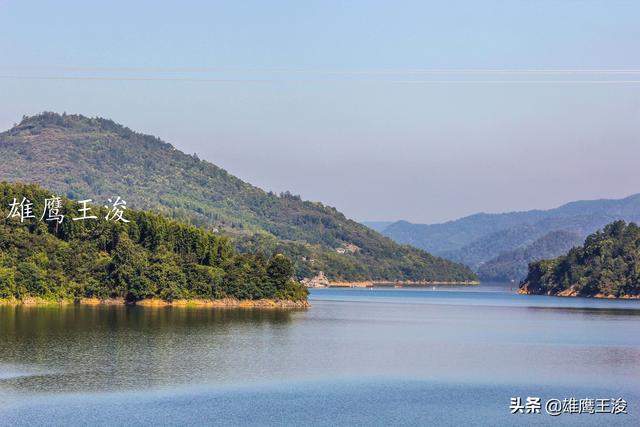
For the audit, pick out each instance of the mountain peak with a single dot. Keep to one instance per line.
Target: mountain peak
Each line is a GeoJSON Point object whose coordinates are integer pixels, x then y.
{"type": "Point", "coordinates": [77, 124]}
{"type": "Point", "coordinates": [70, 121]}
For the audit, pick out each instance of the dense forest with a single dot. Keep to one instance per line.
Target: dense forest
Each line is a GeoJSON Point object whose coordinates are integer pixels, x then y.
{"type": "Point", "coordinates": [513, 265]}
{"type": "Point", "coordinates": [148, 257]}
{"type": "Point", "coordinates": [96, 158]}
{"type": "Point", "coordinates": [608, 265]}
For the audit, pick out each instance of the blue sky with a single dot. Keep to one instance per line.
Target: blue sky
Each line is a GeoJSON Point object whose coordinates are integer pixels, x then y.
{"type": "Point", "coordinates": [425, 111]}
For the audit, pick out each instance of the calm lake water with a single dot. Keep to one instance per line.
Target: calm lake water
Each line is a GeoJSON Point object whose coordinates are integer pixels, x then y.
{"type": "Point", "coordinates": [357, 357]}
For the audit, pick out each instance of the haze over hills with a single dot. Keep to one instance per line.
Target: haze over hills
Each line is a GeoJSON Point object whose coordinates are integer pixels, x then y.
{"type": "Point", "coordinates": [501, 245]}
{"type": "Point", "coordinates": [512, 265]}
{"type": "Point", "coordinates": [378, 225]}
{"type": "Point", "coordinates": [96, 158]}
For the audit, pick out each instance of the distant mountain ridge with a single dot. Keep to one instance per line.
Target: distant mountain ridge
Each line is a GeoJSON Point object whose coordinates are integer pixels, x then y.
{"type": "Point", "coordinates": [478, 239]}
{"type": "Point", "coordinates": [96, 158]}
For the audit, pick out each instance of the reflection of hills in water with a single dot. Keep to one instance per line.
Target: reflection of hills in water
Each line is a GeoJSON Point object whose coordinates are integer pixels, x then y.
{"type": "Point", "coordinates": [452, 337]}
{"type": "Point", "coordinates": [592, 311]}
{"type": "Point", "coordinates": [88, 348]}
{"type": "Point", "coordinates": [128, 317]}
{"type": "Point", "coordinates": [13, 371]}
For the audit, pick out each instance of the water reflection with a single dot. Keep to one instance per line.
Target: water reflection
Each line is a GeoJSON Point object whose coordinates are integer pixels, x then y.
{"type": "Point", "coordinates": [102, 348]}
{"type": "Point", "coordinates": [589, 312]}
{"type": "Point", "coordinates": [453, 337]}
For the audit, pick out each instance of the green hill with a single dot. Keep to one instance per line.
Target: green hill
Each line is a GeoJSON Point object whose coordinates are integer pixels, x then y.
{"type": "Point", "coordinates": [96, 158]}
{"type": "Point", "coordinates": [513, 265]}
{"type": "Point", "coordinates": [147, 257]}
{"type": "Point", "coordinates": [608, 265]}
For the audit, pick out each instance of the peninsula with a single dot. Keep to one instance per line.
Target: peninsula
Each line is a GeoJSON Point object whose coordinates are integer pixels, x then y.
{"type": "Point", "coordinates": [606, 266]}
{"type": "Point", "coordinates": [46, 256]}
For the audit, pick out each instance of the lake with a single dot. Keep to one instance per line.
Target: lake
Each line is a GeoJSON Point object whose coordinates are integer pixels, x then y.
{"type": "Point", "coordinates": [449, 356]}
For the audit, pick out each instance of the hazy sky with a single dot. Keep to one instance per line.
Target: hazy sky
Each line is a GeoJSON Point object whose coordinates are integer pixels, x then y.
{"type": "Point", "coordinates": [425, 111]}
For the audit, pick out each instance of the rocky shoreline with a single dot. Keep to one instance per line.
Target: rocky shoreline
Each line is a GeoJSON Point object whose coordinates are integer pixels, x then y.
{"type": "Point", "coordinates": [220, 303]}
{"type": "Point", "coordinates": [572, 292]}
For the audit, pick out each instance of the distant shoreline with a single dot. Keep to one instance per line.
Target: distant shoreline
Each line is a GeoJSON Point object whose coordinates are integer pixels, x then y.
{"type": "Point", "coordinates": [407, 283]}
{"type": "Point", "coordinates": [571, 293]}
{"type": "Point", "coordinates": [218, 303]}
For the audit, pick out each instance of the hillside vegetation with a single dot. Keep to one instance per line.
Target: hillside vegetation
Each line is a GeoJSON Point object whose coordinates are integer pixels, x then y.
{"type": "Point", "coordinates": [479, 240]}
{"type": "Point", "coordinates": [513, 265]}
{"type": "Point", "coordinates": [97, 158]}
{"type": "Point", "coordinates": [148, 257]}
{"type": "Point", "coordinates": [608, 265]}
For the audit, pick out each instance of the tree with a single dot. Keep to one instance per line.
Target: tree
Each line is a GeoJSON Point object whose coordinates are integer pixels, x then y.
{"type": "Point", "coordinates": [127, 271]}
{"type": "Point", "coordinates": [150, 257]}
{"type": "Point", "coordinates": [7, 282]}
{"type": "Point", "coordinates": [280, 270]}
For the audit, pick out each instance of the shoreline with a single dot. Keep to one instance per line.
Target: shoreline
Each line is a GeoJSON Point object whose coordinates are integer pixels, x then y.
{"type": "Point", "coordinates": [400, 283]}
{"type": "Point", "coordinates": [156, 302]}
{"type": "Point", "coordinates": [571, 293]}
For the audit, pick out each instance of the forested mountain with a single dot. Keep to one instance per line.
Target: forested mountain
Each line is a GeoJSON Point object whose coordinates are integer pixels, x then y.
{"type": "Point", "coordinates": [96, 158]}
{"type": "Point", "coordinates": [482, 238]}
{"type": "Point", "coordinates": [608, 265]}
{"type": "Point", "coordinates": [135, 256]}
{"type": "Point", "coordinates": [513, 265]}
